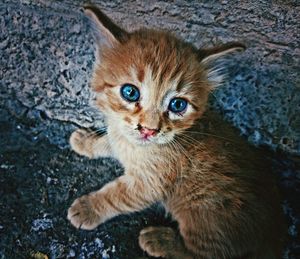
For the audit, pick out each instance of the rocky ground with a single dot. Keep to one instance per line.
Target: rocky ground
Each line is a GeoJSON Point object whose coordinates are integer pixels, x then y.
{"type": "Point", "coordinates": [47, 53]}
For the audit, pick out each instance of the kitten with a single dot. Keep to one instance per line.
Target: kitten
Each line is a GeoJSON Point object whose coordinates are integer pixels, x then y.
{"type": "Point", "coordinates": [153, 89]}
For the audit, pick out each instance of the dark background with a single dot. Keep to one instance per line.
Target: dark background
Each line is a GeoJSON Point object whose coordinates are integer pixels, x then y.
{"type": "Point", "coordinates": [47, 51]}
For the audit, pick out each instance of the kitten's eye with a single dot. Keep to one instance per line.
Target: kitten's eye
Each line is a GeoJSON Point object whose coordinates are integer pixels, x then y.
{"type": "Point", "coordinates": [177, 105]}
{"type": "Point", "coordinates": [130, 93]}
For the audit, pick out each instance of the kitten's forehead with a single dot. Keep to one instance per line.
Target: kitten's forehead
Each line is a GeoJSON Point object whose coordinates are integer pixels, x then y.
{"type": "Point", "coordinates": [154, 90]}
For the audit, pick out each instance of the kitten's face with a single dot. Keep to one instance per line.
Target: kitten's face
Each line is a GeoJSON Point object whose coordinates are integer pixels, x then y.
{"type": "Point", "coordinates": [151, 87]}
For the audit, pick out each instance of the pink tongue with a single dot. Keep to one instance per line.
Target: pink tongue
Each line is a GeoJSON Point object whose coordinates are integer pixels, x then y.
{"type": "Point", "coordinates": [146, 133]}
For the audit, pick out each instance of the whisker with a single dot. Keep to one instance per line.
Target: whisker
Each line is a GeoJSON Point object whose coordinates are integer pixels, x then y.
{"type": "Point", "coordinates": [173, 155]}
{"type": "Point", "coordinates": [191, 142]}
{"type": "Point", "coordinates": [184, 151]}
{"type": "Point", "coordinates": [206, 134]}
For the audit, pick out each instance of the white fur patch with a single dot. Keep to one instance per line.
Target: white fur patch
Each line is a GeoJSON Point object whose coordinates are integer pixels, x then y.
{"type": "Point", "coordinates": [216, 76]}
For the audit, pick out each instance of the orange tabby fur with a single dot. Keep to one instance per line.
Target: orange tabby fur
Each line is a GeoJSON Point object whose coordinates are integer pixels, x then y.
{"type": "Point", "coordinates": [215, 186]}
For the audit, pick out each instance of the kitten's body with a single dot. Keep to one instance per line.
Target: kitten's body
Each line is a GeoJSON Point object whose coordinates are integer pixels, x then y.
{"type": "Point", "coordinates": [215, 186]}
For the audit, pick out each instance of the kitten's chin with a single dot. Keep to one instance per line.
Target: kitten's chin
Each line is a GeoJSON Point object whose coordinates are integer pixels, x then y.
{"type": "Point", "coordinates": [140, 141]}
{"type": "Point", "coordinates": [144, 142]}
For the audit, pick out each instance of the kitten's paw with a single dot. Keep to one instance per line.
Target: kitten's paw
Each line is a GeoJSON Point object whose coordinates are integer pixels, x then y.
{"type": "Point", "coordinates": [158, 241]}
{"type": "Point", "coordinates": [82, 213]}
{"type": "Point", "coordinates": [80, 142]}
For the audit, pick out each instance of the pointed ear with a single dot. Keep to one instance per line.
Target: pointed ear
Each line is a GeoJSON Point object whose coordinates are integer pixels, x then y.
{"type": "Point", "coordinates": [215, 70]}
{"type": "Point", "coordinates": [211, 54]}
{"type": "Point", "coordinates": [106, 29]}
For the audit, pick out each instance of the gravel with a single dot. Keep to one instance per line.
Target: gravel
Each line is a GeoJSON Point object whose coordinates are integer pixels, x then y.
{"type": "Point", "coordinates": [47, 53]}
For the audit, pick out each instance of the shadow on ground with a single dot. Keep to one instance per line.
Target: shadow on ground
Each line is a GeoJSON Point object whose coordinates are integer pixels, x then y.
{"type": "Point", "coordinates": [38, 181]}
{"type": "Point", "coordinates": [47, 51]}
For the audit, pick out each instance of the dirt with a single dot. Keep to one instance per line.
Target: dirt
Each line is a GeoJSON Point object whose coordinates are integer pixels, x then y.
{"type": "Point", "coordinates": [47, 53]}
{"type": "Point", "coordinates": [39, 181]}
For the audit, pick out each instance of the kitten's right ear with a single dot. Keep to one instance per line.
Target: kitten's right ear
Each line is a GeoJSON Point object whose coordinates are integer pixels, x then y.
{"type": "Point", "coordinates": [106, 29]}
{"type": "Point", "coordinates": [211, 54]}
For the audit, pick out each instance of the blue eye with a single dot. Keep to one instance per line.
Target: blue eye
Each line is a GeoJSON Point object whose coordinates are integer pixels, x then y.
{"type": "Point", "coordinates": [177, 105]}
{"type": "Point", "coordinates": [130, 93]}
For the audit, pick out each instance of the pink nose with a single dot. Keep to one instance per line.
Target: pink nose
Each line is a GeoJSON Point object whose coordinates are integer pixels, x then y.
{"type": "Point", "coordinates": [146, 133]}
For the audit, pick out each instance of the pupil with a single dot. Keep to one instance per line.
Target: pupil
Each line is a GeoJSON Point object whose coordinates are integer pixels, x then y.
{"type": "Point", "coordinates": [131, 92]}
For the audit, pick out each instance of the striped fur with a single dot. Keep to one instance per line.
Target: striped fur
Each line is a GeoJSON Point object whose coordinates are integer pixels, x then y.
{"type": "Point", "coordinates": [216, 187]}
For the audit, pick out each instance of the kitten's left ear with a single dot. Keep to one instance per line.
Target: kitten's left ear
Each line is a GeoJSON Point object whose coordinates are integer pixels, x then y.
{"type": "Point", "coordinates": [105, 27]}
{"type": "Point", "coordinates": [211, 54]}
{"type": "Point", "coordinates": [207, 57]}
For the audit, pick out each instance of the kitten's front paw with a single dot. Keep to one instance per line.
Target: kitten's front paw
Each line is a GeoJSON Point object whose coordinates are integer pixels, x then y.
{"type": "Point", "coordinates": [82, 213]}
{"type": "Point", "coordinates": [158, 241]}
{"type": "Point", "coordinates": [80, 142]}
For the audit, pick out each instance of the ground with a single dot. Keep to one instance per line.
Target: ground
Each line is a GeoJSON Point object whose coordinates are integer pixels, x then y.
{"type": "Point", "coordinates": [47, 52]}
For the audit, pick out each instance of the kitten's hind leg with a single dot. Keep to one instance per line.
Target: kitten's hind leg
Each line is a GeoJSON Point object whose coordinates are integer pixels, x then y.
{"type": "Point", "coordinates": [163, 242]}
{"type": "Point", "coordinates": [90, 143]}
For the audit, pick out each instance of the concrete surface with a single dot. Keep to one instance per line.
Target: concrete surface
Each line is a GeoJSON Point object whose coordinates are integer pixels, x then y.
{"type": "Point", "coordinates": [47, 54]}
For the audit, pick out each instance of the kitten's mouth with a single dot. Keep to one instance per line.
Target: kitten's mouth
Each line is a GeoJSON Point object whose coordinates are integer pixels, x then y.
{"type": "Point", "coordinates": [151, 140]}
{"type": "Point", "coordinates": [144, 139]}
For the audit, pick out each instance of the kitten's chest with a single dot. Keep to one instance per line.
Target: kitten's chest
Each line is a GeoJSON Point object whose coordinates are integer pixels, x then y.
{"type": "Point", "coordinates": [128, 154]}
{"type": "Point", "coordinates": [139, 159]}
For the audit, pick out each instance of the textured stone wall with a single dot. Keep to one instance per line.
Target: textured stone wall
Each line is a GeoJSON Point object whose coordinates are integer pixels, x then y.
{"type": "Point", "coordinates": [47, 53]}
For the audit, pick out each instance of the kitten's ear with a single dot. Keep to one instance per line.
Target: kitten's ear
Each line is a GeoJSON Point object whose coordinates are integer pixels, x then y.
{"type": "Point", "coordinates": [211, 54]}
{"type": "Point", "coordinates": [106, 29]}
{"type": "Point", "coordinates": [215, 69]}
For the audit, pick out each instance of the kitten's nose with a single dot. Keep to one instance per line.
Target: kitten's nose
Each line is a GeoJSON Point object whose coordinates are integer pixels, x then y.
{"type": "Point", "coordinates": [146, 132]}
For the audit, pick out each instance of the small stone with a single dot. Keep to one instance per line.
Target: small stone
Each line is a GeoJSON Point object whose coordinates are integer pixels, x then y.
{"type": "Point", "coordinates": [239, 78]}
{"type": "Point", "coordinates": [99, 243]}
{"type": "Point", "coordinates": [76, 28]}
{"type": "Point", "coordinates": [49, 180]}
{"type": "Point", "coordinates": [105, 255]}
{"type": "Point", "coordinates": [72, 253]}
{"type": "Point", "coordinates": [41, 224]}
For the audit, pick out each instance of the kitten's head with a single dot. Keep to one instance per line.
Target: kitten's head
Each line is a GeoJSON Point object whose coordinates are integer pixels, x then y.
{"type": "Point", "coordinates": [149, 84]}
